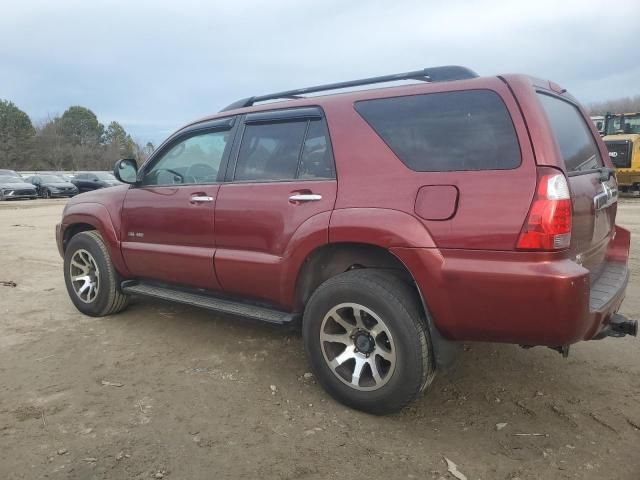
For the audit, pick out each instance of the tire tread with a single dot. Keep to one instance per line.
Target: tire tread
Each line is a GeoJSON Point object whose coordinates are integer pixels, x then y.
{"type": "Point", "coordinates": [402, 296]}
{"type": "Point", "coordinates": [117, 300]}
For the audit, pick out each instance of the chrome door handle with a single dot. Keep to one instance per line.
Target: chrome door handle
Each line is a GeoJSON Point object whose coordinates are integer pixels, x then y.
{"type": "Point", "coordinates": [305, 197]}
{"type": "Point", "coordinates": [201, 198]}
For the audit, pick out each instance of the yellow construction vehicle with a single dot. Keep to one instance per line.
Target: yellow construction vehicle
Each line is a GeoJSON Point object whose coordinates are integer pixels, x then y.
{"type": "Point", "coordinates": [622, 137]}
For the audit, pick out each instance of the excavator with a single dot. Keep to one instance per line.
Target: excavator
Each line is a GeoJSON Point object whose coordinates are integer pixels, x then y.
{"type": "Point", "coordinates": [622, 137]}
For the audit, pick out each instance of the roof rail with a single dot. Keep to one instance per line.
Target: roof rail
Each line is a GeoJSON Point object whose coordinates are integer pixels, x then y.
{"type": "Point", "coordinates": [433, 74]}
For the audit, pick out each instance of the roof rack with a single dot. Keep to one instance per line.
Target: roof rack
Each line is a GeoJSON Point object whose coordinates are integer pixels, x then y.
{"type": "Point", "coordinates": [433, 74]}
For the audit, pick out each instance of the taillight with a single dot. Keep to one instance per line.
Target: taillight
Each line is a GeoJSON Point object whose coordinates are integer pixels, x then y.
{"type": "Point", "coordinates": [548, 225]}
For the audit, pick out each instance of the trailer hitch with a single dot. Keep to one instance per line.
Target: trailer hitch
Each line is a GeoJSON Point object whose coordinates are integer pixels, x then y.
{"type": "Point", "coordinates": [619, 326]}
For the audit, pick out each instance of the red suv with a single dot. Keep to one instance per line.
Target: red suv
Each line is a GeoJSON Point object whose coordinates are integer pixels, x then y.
{"type": "Point", "coordinates": [395, 223]}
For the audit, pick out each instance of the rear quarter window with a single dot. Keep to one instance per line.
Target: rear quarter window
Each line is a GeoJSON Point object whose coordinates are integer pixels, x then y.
{"type": "Point", "coordinates": [573, 136]}
{"type": "Point", "coordinates": [449, 131]}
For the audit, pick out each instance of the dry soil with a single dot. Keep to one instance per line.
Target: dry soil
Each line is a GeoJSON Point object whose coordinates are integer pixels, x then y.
{"type": "Point", "coordinates": [166, 391]}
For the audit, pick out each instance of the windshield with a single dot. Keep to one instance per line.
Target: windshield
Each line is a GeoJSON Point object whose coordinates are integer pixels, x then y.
{"type": "Point", "coordinates": [105, 176]}
{"type": "Point", "coordinates": [631, 124]}
{"type": "Point", "coordinates": [8, 179]}
{"type": "Point", "coordinates": [51, 179]}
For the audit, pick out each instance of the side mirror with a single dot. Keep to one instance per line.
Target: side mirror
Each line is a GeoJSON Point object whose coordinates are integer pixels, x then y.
{"type": "Point", "coordinates": [126, 170]}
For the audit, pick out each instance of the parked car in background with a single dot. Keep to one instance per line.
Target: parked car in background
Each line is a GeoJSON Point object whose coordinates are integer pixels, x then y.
{"type": "Point", "coordinates": [397, 223]}
{"type": "Point", "coordinates": [10, 173]}
{"type": "Point", "coordinates": [49, 186]}
{"type": "Point", "coordinates": [88, 181]}
{"type": "Point", "coordinates": [14, 187]}
{"type": "Point", "coordinates": [66, 177]}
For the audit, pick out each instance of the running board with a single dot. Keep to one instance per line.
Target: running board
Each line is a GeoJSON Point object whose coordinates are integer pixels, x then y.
{"type": "Point", "coordinates": [209, 302]}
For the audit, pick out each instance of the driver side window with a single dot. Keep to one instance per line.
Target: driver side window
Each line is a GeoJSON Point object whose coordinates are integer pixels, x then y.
{"type": "Point", "coordinates": [194, 160]}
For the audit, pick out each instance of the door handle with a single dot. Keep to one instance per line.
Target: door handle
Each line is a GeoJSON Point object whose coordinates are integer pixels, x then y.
{"type": "Point", "coordinates": [201, 199]}
{"type": "Point", "coordinates": [305, 197]}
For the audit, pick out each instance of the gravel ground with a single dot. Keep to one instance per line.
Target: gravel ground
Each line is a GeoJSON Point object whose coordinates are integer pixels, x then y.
{"type": "Point", "coordinates": [166, 391]}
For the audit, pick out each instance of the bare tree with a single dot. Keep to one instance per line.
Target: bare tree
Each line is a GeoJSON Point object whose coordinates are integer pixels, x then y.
{"type": "Point", "coordinates": [620, 105]}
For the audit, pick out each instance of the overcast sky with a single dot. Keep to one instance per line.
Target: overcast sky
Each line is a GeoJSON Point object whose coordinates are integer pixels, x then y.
{"type": "Point", "coordinates": [155, 65]}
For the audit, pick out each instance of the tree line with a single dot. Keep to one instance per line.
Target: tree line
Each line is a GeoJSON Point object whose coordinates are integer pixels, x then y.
{"type": "Point", "coordinates": [620, 105]}
{"type": "Point", "coordinates": [75, 140]}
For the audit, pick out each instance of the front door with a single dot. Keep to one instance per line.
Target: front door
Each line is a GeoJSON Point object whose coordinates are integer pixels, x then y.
{"type": "Point", "coordinates": [168, 220]}
{"type": "Point", "coordinates": [282, 175]}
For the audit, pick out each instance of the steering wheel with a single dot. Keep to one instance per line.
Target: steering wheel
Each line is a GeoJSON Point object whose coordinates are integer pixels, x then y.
{"type": "Point", "coordinates": [201, 172]}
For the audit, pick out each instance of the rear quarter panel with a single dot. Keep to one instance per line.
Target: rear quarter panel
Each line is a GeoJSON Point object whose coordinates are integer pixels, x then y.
{"type": "Point", "coordinates": [492, 204]}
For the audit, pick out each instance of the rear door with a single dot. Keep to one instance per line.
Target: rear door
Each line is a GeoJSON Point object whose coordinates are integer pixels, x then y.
{"type": "Point", "coordinates": [594, 195]}
{"type": "Point", "coordinates": [281, 175]}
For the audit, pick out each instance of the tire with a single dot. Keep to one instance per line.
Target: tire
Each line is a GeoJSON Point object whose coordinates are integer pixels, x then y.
{"type": "Point", "coordinates": [88, 250]}
{"type": "Point", "coordinates": [401, 354]}
{"type": "Point", "coordinates": [46, 194]}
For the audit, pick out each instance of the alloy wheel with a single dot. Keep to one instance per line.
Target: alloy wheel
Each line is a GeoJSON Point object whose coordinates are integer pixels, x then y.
{"type": "Point", "coordinates": [357, 346]}
{"type": "Point", "coordinates": [84, 275]}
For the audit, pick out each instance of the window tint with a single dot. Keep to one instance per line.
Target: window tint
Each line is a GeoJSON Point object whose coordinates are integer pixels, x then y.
{"type": "Point", "coordinates": [8, 179]}
{"type": "Point", "coordinates": [50, 179]}
{"type": "Point", "coordinates": [193, 160]}
{"type": "Point", "coordinates": [105, 176]}
{"type": "Point", "coordinates": [317, 159]}
{"type": "Point", "coordinates": [270, 151]}
{"type": "Point", "coordinates": [469, 130]}
{"type": "Point", "coordinates": [577, 146]}
{"type": "Point", "coordinates": [285, 151]}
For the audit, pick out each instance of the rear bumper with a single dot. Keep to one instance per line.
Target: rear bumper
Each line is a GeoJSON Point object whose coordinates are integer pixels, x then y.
{"type": "Point", "coordinates": [518, 297]}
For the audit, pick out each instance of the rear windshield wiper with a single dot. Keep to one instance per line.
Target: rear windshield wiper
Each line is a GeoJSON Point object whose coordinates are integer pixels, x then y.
{"type": "Point", "coordinates": [606, 173]}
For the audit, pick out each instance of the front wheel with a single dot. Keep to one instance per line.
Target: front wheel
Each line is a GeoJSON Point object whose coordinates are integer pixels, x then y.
{"type": "Point", "coordinates": [92, 282]}
{"type": "Point", "coordinates": [46, 193]}
{"type": "Point", "coordinates": [367, 340]}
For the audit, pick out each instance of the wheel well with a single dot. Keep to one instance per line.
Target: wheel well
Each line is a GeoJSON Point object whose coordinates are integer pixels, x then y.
{"type": "Point", "coordinates": [74, 229]}
{"type": "Point", "coordinates": [334, 259]}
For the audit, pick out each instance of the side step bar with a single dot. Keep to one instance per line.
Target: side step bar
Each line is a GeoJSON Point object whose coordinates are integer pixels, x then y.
{"type": "Point", "coordinates": [209, 302]}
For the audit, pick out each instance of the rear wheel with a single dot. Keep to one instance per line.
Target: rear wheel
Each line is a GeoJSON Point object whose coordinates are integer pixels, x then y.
{"type": "Point", "coordinates": [92, 282]}
{"type": "Point", "coordinates": [367, 341]}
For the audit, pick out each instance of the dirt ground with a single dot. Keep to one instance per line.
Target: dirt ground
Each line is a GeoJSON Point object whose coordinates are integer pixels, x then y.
{"type": "Point", "coordinates": [190, 393]}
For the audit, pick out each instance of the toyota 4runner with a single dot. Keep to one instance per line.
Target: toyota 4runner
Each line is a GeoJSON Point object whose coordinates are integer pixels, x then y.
{"type": "Point", "coordinates": [394, 223]}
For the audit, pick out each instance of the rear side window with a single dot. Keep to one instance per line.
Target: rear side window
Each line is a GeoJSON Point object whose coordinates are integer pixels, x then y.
{"type": "Point", "coordinates": [577, 146]}
{"type": "Point", "coordinates": [285, 151]}
{"type": "Point", "coordinates": [317, 159]}
{"type": "Point", "coordinates": [440, 132]}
